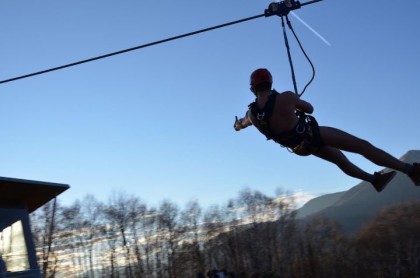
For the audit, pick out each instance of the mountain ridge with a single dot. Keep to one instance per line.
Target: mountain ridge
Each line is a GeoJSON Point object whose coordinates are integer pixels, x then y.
{"type": "Point", "coordinates": [354, 207]}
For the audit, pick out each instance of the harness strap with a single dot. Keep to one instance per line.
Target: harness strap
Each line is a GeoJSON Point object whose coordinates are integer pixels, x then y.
{"type": "Point", "coordinates": [263, 115]}
{"type": "Point", "coordinates": [309, 137]}
{"type": "Point", "coordinates": [303, 139]}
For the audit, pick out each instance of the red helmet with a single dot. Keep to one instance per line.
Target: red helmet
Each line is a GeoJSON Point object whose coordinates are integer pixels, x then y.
{"type": "Point", "coordinates": [261, 76]}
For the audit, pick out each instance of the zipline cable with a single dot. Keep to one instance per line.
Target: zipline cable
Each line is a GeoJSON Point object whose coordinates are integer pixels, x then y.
{"type": "Point", "coordinates": [131, 49]}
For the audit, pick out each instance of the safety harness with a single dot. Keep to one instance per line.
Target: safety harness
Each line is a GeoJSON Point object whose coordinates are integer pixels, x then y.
{"type": "Point", "coordinates": [304, 139]}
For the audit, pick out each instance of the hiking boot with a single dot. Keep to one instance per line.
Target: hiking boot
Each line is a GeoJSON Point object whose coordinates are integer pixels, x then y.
{"type": "Point", "coordinates": [415, 175]}
{"type": "Point", "coordinates": [382, 179]}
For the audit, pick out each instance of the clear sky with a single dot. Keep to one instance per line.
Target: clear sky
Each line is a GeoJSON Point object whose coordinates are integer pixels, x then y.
{"type": "Point", "coordinates": [158, 122]}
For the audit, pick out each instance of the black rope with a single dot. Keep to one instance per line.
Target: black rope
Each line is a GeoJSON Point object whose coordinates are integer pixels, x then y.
{"type": "Point", "coordinates": [286, 41]}
{"type": "Point", "coordinates": [131, 49]}
{"type": "Point", "coordinates": [304, 53]}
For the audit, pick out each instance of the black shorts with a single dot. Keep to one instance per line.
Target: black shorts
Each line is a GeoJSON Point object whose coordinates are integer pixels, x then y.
{"type": "Point", "coordinates": [304, 139]}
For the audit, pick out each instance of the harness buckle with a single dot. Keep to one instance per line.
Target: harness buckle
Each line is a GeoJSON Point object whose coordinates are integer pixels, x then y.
{"type": "Point", "coordinates": [261, 116]}
{"type": "Point", "coordinates": [300, 128]}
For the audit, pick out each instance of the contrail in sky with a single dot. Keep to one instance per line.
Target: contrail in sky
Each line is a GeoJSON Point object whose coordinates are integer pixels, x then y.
{"type": "Point", "coordinates": [312, 29]}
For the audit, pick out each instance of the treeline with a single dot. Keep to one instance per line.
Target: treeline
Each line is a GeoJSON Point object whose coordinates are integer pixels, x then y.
{"type": "Point", "coordinates": [253, 235]}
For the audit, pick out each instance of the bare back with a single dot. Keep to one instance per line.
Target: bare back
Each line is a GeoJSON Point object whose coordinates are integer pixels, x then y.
{"type": "Point", "coordinates": [283, 117]}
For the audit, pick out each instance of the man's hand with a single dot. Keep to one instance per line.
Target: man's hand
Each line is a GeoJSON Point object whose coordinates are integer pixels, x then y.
{"type": "Point", "coordinates": [299, 113]}
{"type": "Point", "coordinates": [238, 124]}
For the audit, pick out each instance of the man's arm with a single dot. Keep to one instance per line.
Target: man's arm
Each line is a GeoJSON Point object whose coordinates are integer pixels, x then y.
{"type": "Point", "coordinates": [304, 106]}
{"type": "Point", "coordinates": [242, 122]}
{"type": "Point", "coordinates": [292, 100]}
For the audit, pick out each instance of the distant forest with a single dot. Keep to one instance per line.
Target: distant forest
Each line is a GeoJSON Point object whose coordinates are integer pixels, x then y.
{"type": "Point", "coordinates": [253, 235]}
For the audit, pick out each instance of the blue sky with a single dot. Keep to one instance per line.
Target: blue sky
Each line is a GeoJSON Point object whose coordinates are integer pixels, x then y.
{"type": "Point", "coordinates": [157, 122]}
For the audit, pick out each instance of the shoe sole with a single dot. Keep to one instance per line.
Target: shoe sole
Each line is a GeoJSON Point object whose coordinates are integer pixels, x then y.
{"type": "Point", "coordinates": [416, 180]}
{"type": "Point", "coordinates": [387, 182]}
{"type": "Point", "coordinates": [416, 176]}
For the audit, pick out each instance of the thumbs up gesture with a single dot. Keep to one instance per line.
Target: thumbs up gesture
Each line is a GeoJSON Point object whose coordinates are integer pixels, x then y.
{"type": "Point", "coordinates": [238, 124]}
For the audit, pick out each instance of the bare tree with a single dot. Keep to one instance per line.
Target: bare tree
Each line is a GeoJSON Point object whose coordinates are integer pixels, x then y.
{"type": "Point", "coordinates": [92, 211]}
{"type": "Point", "coordinates": [325, 247]}
{"type": "Point", "coordinates": [192, 232]}
{"type": "Point", "coordinates": [73, 236]}
{"type": "Point", "coordinates": [136, 214]}
{"type": "Point", "coordinates": [150, 233]}
{"type": "Point", "coordinates": [168, 223]}
{"type": "Point", "coordinates": [284, 233]}
{"type": "Point", "coordinates": [111, 238]}
{"type": "Point", "coordinates": [44, 229]}
{"type": "Point", "coordinates": [214, 225]}
{"type": "Point", "coordinates": [256, 211]}
{"type": "Point", "coordinates": [390, 243]}
{"type": "Point", "coordinates": [118, 214]}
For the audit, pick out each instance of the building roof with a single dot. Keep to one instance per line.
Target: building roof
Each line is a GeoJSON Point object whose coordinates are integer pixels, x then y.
{"type": "Point", "coordinates": [28, 193]}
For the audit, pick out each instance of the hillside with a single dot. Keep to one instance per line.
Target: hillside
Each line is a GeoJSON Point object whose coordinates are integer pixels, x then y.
{"type": "Point", "coordinates": [353, 208]}
{"type": "Point", "coordinates": [318, 204]}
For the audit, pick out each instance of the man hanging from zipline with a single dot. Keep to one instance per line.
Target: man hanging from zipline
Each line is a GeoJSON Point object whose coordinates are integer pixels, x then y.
{"type": "Point", "coordinates": [282, 117]}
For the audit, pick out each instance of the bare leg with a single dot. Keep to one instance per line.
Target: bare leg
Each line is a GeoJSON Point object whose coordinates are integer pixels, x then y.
{"type": "Point", "coordinates": [337, 157]}
{"type": "Point", "coordinates": [341, 140]}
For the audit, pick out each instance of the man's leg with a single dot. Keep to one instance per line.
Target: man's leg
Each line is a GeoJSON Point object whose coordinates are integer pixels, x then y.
{"type": "Point", "coordinates": [338, 158]}
{"type": "Point", "coordinates": [339, 139]}
{"type": "Point", "coordinates": [378, 180]}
